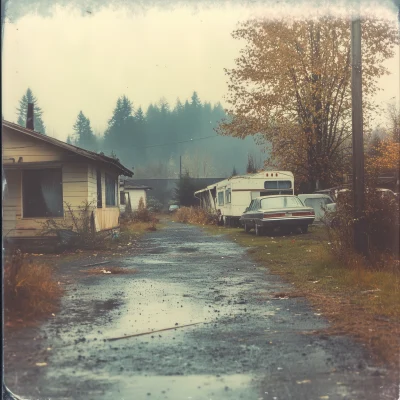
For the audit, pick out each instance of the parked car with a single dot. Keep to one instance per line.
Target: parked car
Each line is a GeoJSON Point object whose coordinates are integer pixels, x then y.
{"type": "Point", "coordinates": [172, 208]}
{"type": "Point", "coordinates": [318, 202]}
{"type": "Point", "coordinates": [269, 212]}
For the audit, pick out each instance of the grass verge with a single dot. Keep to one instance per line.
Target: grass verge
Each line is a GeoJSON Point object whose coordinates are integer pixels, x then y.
{"type": "Point", "coordinates": [357, 301]}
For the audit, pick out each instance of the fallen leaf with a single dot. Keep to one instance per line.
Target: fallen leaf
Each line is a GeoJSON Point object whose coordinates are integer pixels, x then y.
{"type": "Point", "coordinates": [41, 364]}
{"type": "Point", "coordinates": [305, 381]}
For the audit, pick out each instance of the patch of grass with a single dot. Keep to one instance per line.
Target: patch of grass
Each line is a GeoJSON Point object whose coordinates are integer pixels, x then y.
{"type": "Point", "coordinates": [110, 271]}
{"type": "Point", "coordinates": [358, 301]}
{"type": "Point", "coordinates": [30, 290]}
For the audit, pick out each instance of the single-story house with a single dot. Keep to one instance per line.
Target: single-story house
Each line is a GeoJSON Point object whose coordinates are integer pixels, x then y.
{"type": "Point", "coordinates": [46, 178]}
{"type": "Point", "coordinates": [131, 194]}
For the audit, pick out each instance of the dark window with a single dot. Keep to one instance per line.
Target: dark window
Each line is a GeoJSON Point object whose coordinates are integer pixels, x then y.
{"type": "Point", "coordinates": [42, 194]}
{"type": "Point", "coordinates": [277, 185]}
{"type": "Point", "coordinates": [220, 198]}
{"type": "Point", "coordinates": [122, 198]}
{"type": "Point", "coordinates": [99, 199]}
{"type": "Point", "coordinates": [110, 190]}
{"type": "Point", "coordinates": [228, 196]}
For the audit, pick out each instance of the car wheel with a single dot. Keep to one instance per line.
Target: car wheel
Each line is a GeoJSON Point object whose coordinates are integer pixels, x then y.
{"type": "Point", "coordinates": [246, 228]}
{"type": "Point", "coordinates": [258, 230]}
{"type": "Point", "coordinates": [304, 228]}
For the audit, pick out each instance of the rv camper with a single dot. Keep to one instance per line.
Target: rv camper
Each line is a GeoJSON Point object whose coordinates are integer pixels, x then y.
{"type": "Point", "coordinates": [230, 197]}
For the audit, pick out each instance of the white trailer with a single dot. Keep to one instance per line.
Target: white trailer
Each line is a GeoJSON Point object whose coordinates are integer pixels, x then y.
{"type": "Point", "coordinates": [230, 197]}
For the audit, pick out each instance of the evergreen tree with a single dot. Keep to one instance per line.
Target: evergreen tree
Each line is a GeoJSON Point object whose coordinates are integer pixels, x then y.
{"type": "Point", "coordinates": [119, 127]}
{"type": "Point", "coordinates": [195, 100]}
{"type": "Point", "coordinates": [178, 107]}
{"type": "Point", "coordinates": [234, 172]}
{"type": "Point", "coordinates": [121, 114]}
{"type": "Point", "coordinates": [139, 116]}
{"type": "Point", "coordinates": [83, 133]}
{"type": "Point", "coordinates": [22, 111]}
{"type": "Point", "coordinates": [184, 191]}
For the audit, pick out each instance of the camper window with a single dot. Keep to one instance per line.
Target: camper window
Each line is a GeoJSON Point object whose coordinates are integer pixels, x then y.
{"type": "Point", "coordinates": [277, 185]}
{"type": "Point", "coordinates": [228, 196]}
{"type": "Point", "coordinates": [220, 198]}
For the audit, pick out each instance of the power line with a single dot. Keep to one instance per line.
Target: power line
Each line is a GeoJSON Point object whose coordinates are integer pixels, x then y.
{"type": "Point", "coordinates": [169, 144]}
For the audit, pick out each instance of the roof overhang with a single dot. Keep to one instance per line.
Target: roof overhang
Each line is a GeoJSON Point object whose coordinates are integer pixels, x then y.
{"type": "Point", "coordinates": [90, 155]}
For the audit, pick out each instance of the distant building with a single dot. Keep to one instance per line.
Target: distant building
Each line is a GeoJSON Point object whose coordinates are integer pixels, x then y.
{"type": "Point", "coordinates": [131, 195]}
{"type": "Point", "coordinates": [163, 189]}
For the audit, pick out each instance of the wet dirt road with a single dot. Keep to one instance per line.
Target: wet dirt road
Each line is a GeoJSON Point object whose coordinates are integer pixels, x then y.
{"type": "Point", "coordinates": [244, 346]}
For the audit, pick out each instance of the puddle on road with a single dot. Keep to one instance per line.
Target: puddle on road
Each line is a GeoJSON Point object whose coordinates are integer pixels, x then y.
{"type": "Point", "coordinates": [152, 305]}
{"type": "Point", "coordinates": [187, 387]}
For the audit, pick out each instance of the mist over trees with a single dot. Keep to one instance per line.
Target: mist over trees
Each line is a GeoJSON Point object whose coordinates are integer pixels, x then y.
{"type": "Point", "coordinates": [162, 141]}
{"type": "Point", "coordinates": [165, 139]}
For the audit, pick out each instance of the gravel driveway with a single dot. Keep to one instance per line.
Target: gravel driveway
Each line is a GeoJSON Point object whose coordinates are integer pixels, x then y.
{"type": "Point", "coordinates": [243, 344]}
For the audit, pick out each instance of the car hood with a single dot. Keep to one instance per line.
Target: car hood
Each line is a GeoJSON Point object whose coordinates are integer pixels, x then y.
{"type": "Point", "coordinates": [282, 210]}
{"type": "Point", "coordinates": [286, 210]}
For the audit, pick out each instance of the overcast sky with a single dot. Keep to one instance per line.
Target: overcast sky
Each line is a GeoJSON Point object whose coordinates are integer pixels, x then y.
{"type": "Point", "coordinates": [84, 61]}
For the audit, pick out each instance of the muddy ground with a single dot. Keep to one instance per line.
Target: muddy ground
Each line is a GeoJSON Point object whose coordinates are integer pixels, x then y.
{"type": "Point", "coordinates": [244, 345]}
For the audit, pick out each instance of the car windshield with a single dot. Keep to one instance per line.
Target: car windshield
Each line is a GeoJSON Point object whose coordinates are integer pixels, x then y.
{"type": "Point", "coordinates": [280, 202]}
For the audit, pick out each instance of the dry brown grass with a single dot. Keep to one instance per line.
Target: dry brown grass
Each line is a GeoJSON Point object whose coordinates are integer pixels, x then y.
{"type": "Point", "coordinates": [32, 292]}
{"type": "Point", "coordinates": [110, 271]}
{"type": "Point", "coordinates": [359, 301]}
{"type": "Point", "coordinates": [195, 215]}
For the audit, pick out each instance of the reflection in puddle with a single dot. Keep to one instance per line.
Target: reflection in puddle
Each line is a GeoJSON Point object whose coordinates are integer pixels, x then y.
{"type": "Point", "coordinates": [188, 387]}
{"type": "Point", "coordinates": [152, 306]}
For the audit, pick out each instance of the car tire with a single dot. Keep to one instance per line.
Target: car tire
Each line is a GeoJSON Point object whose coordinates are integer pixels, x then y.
{"type": "Point", "coordinates": [304, 228]}
{"type": "Point", "coordinates": [258, 230]}
{"type": "Point", "coordinates": [246, 228]}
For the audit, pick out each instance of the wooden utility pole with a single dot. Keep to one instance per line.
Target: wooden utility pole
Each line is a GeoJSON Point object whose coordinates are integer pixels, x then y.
{"type": "Point", "coordinates": [360, 238]}
{"type": "Point", "coordinates": [180, 167]}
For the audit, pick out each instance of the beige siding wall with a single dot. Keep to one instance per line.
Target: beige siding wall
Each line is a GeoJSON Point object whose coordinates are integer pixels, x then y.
{"type": "Point", "coordinates": [106, 217]}
{"type": "Point", "coordinates": [11, 202]}
{"type": "Point", "coordinates": [16, 144]}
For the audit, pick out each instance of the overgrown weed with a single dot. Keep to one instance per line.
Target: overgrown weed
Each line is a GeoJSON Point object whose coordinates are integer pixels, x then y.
{"type": "Point", "coordinates": [196, 215]}
{"type": "Point", "coordinates": [30, 289]}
